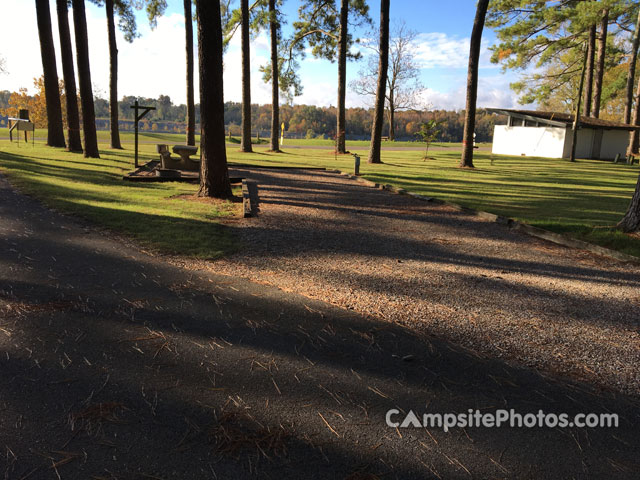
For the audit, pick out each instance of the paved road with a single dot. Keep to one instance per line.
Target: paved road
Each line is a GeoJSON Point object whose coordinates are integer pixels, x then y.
{"type": "Point", "coordinates": [117, 365]}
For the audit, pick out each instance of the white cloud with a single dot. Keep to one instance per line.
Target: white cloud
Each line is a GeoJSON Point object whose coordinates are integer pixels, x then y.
{"type": "Point", "coordinates": [150, 66]}
{"type": "Point", "coordinates": [260, 91]}
{"type": "Point", "coordinates": [438, 50]}
{"type": "Point", "coordinates": [154, 64]}
{"type": "Point", "coordinates": [492, 92]}
{"type": "Point", "coordinates": [20, 47]}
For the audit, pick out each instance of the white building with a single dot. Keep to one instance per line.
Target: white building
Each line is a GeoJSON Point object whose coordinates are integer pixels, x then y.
{"type": "Point", "coordinates": [548, 134]}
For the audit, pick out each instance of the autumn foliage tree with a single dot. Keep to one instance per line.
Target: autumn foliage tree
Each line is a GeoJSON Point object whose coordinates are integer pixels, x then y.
{"type": "Point", "coordinates": [36, 103]}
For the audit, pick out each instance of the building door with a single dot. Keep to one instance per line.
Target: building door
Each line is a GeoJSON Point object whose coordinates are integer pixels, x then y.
{"type": "Point", "coordinates": [597, 144]}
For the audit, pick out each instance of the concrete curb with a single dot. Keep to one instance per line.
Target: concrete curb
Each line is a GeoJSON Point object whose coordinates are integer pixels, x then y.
{"type": "Point", "coordinates": [547, 235]}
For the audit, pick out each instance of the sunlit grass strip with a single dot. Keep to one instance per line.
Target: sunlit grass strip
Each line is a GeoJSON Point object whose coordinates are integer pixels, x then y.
{"type": "Point", "coordinates": [580, 199]}
{"type": "Point", "coordinates": [154, 214]}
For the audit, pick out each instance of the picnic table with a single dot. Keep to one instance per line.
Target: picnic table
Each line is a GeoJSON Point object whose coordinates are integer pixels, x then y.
{"type": "Point", "coordinates": [185, 162]}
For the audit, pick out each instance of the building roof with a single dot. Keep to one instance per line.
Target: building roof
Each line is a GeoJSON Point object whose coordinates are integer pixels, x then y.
{"type": "Point", "coordinates": [562, 119]}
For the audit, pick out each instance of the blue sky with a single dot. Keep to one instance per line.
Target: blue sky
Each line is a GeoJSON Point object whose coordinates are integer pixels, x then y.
{"type": "Point", "coordinates": [154, 64]}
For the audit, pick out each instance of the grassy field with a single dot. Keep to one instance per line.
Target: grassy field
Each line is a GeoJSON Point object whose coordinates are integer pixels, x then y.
{"type": "Point", "coordinates": [175, 138]}
{"type": "Point", "coordinates": [583, 200]}
{"type": "Point", "coordinates": [160, 216]}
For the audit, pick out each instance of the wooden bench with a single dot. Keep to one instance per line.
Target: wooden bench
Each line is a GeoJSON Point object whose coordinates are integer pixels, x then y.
{"type": "Point", "coordinates": [384, 139]}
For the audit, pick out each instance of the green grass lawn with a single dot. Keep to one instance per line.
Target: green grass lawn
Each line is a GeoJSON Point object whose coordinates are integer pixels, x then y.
{"type": "Point", "coordinates": [176, 138]}
{"type": "Point", "coordinates": [585, 199]}
{"type": "Point", "coordinates": [159, 216]}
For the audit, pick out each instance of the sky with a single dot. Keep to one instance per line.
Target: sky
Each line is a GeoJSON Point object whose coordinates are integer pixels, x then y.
{"type": "Point", "coordinates": [154, 64]}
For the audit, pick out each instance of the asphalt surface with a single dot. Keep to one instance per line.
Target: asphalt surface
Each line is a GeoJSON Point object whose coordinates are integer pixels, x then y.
{"type": "Point", "coordinates": [116, 365]}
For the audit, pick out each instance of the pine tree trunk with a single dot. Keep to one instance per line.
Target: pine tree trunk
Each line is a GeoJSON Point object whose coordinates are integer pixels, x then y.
{"type": "Point", "coordinates": [55, 130]}
{"type": "Point", "coordinates": [383, 66]}
{"type": "Point", "coordinates": [588, 92]}
{"type": "Point", "coordinates": [113, 77]}
{"type": "Point", "coordinates": [472, 85]}
{"type": "Point", "coordinates": [631, 221]}
{"type": "Point", "coordinates": [245, 142]}
{"type": "Point", "coordinates": [275, 72]}
{"type": "Point", "coordinates": [214, 174]}
{"type": "Point", "coordinates": [191, 106]}
{"type": "Point", "coordinates": [576, 117]}
{"type": "Point", "coordinates": [84, 78]}
{"type": "Point", "coordinates": [342, 78]}
{"type": "Point", "coordinates": [601, 54]}
{"type": "Point", "coordinates": [634, 136]}
{"type": "Point", "coordinates": [392, 120]}
{"type": "Point", "coordinates": [68, 72]}
{"type": "Point", "coordinates": [628, 105]}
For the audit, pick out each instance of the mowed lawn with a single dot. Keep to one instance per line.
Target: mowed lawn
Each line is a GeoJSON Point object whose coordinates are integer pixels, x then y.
{"type": "Point", "coordinates": [583, 199]}
{"type": "Point", "coordinates": [175, 138]}
{"type": "Point", "coordinates": [160, 216]}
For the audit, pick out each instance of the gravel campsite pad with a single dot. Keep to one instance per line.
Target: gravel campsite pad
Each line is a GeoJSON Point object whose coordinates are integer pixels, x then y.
{"type": "Point", "coordinates": [444, 272]}
{"type": "Point", "coordinates": [117, 365]}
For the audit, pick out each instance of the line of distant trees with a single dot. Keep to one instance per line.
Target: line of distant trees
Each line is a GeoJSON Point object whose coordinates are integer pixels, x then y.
{"type": "Point", "coordinates": [301, 121]}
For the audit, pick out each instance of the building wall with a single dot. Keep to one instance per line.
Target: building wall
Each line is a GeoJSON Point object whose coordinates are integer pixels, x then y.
{"type": "Point", "coordinates": [584, 143]}
{"type": "Point", "coordinates": [529, 141]}
{"type": "Point", "coordinates": [555, 142]}
{"type": "Point", "coordinates": [614, 142]}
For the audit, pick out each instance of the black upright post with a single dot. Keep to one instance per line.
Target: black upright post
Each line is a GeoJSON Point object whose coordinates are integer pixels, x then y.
{"type": "Point", "coordinates": [136, 130]}
{"type": "Point", "coordinates": [138, 116]}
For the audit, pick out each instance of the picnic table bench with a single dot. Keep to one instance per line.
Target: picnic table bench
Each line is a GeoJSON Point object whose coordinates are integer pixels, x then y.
{"type": "Point", "coordinates": [185, 162]}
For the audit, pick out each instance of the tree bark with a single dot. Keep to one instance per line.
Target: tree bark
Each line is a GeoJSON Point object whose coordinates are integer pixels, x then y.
{"type": "Point", "coordinates": [84, 78]}
{"type": "Point", "coordinates": [634, 136]}
{"type": "Point", "coordinates": [576, 117]}
{"type": "Point", "coordinates": [588, 92]}
{"type": "Point", "coordinates": [214, 174]}
{"type": "Point", "coordinates": [113, 76]}
{"type": "Point", "coordinates": [601, 54]}
{"type": "Point", "coordinates": [383, 66]}
{"type": "Point", "coordinates": [275, 75]}
{"type": "Point", "coordinates": [392, 119]}
{"type": "Point", "coordinates": [631, 76]}
{"type": "Point", "coordinates": [472, 85]}
{"type": "Point", "coordinates": [342, 77]}
{"type": "Point", "coordinates": [55, 130]}
{"type": "Point", "coordinates": [191, 105]}
{"type": "Point", "coordinates": [631, 221]}
{"type": "Point", "coordinates": [68, 72]}
{"type": "Point", "coordinates": [245, 142]}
